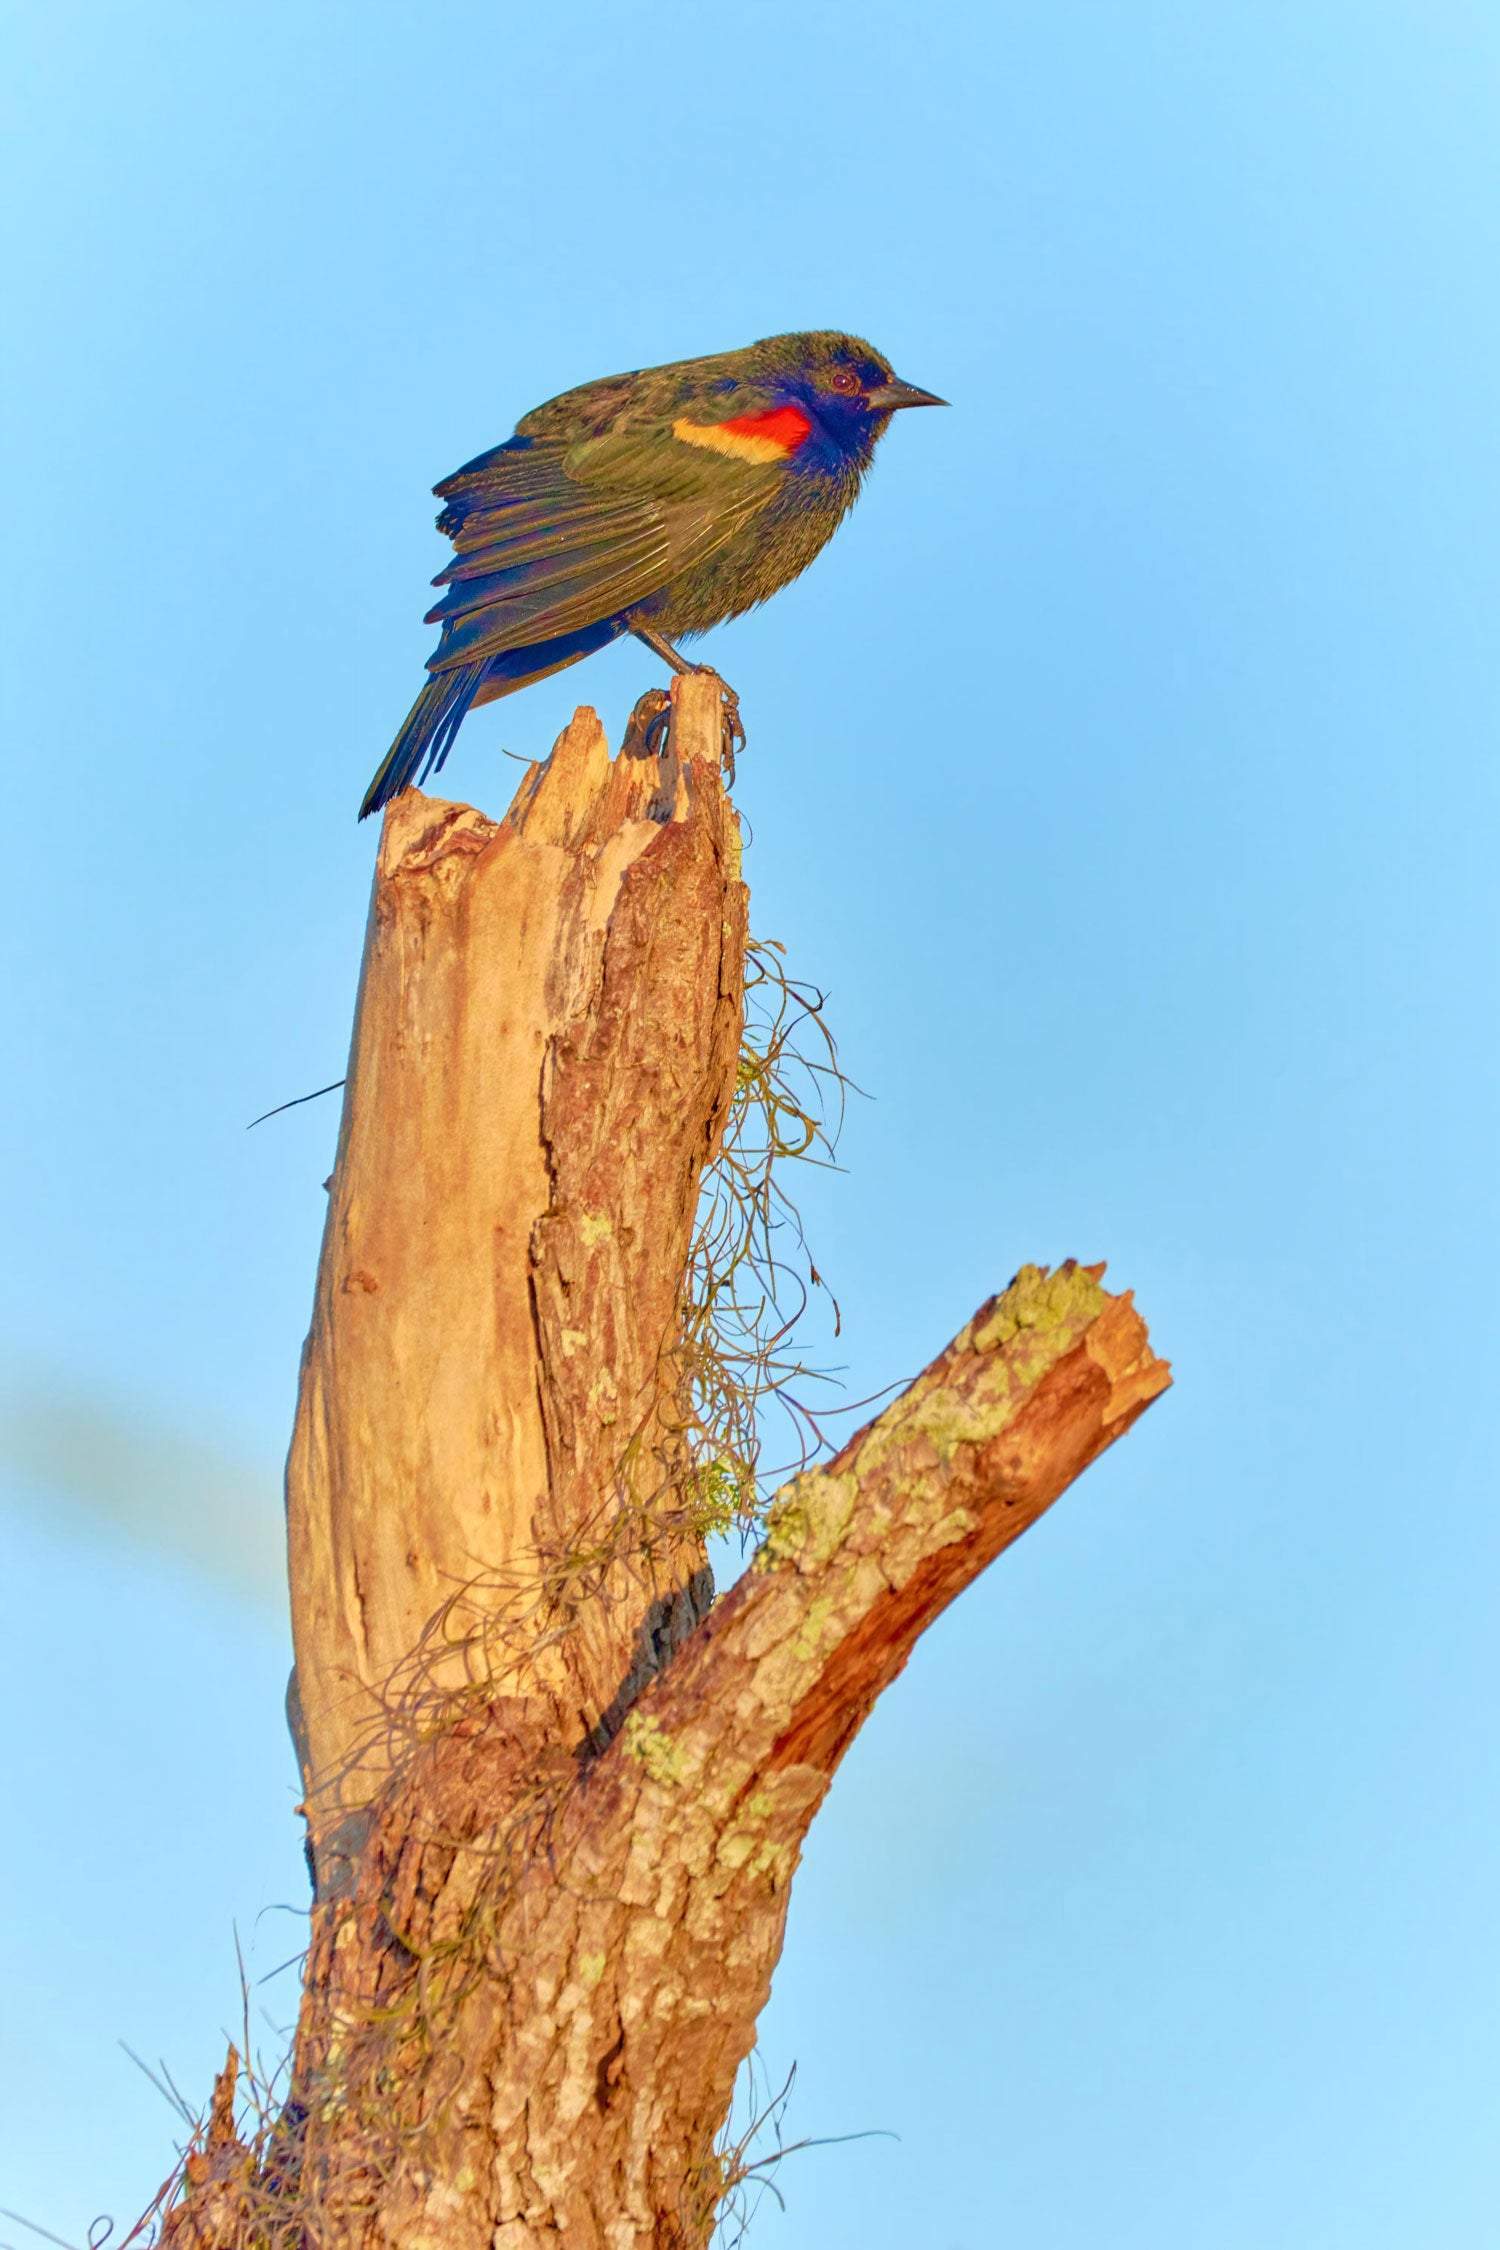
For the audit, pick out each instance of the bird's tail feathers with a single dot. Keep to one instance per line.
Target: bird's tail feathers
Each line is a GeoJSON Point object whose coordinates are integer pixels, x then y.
{"type": "Point", "coordinates": [426, 734]}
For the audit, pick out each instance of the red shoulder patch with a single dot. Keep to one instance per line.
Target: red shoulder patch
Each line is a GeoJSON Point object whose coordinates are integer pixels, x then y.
{"type": "Point", "coordinates": [785, 426]}
{"type": "Point", "coordinates": [763, 438]}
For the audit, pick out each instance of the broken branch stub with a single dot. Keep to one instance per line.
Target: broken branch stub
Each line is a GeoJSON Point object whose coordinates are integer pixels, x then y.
{"type": "Point", "coordinates": [579, 2080]}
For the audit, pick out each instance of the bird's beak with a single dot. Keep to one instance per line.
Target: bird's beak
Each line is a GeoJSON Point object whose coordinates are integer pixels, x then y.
{"type": "Point", "coordinates": [888, 396]}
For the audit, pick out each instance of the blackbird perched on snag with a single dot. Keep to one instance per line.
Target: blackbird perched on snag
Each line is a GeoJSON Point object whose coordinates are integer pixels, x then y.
{"type": "Point", "coordinates": [657, 503]}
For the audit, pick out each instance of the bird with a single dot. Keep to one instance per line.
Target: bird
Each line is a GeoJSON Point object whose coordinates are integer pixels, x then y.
{"type": "Point", "coordinates": [661, 503]}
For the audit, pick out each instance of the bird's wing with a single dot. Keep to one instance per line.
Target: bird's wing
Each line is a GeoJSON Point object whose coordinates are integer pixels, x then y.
{"type": "Point", "coordinates": [552, 537]}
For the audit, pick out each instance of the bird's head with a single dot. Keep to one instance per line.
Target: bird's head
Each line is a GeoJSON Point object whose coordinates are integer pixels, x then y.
{"type": "Point", "coordinates": [848, 391]}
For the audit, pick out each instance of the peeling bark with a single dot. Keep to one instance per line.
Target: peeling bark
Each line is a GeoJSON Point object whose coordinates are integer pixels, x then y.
{"type": "Point", "coordinates": [553, 1865]}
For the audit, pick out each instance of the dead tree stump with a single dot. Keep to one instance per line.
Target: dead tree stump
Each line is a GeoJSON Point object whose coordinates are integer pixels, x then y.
{"type": "Point", "coordinates": [554, 1799]}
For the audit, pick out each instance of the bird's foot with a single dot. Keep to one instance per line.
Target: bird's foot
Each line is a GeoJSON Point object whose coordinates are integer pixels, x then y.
{"type": "Point", "coordinates": [732, 737]}
{"type": "Point", "coordinates": [646, 728]}
{"type": "Point", "coordinates": [731, 725]}
{"type": "Point", "coordinates": [648, 732]}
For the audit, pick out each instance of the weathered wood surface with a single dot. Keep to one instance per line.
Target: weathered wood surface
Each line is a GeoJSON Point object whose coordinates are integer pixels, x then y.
{"type": "Point", "coordinates": [543, 1054]}
{"type": "Point", "coordinates": [554, 1867]}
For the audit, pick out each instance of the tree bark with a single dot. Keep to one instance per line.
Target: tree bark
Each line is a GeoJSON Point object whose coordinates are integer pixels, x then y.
{"type": "Point", "coordinates": [554, 1800]}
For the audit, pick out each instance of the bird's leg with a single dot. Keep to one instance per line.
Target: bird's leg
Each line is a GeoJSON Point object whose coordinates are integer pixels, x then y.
{"type": "Point", "coordinates": [664, 649]}
{"type": "Point", "coordinates": [733, 736]}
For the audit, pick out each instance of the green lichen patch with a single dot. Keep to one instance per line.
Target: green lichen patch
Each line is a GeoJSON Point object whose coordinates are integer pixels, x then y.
{"type": "Point", "coordinates": [643, 1739]}
{"type": "Point", "coordinates": [1035, 1323]}
{"type": "Point", "coordinates": [773, 1861]}
{"type": "Point", "coordinates": [808, 1520]}
{"type": "Point", "coordinates": [1056, 1305]}
{"type": "Point", "coordinates": [808, 1644]}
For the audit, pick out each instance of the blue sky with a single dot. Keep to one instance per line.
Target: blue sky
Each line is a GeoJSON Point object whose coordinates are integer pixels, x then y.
{"type": "Point", "coordinates": [1125, 771]}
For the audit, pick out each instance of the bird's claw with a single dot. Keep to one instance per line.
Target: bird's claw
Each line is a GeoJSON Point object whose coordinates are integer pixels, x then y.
{"type": "Point", "coordinates": [731, 725]}
{"type": "Point", "coordinates": [646, 728]}
{"type": "Point", "coordinates": [732, 738]}
{"type": "Point", "coordinates": [648, 731]}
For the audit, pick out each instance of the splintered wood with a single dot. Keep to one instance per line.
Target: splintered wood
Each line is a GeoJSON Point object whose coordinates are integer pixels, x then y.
{"type": "Point", "coordinates": [543, 1056]}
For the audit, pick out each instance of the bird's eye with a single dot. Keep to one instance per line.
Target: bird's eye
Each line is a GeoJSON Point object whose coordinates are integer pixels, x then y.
{"type": "Point", "coordinates": [844, 379]}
